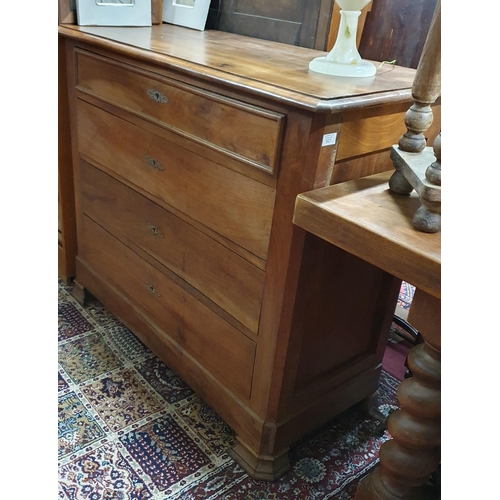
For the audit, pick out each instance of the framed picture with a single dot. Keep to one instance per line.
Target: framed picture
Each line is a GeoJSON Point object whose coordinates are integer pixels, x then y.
{"type": "Point", "coordinates": [67, 10]}
{"type": "Point", "coordinates": [188, 13]}
{"type": "Point", "coordinates": [113, 12]}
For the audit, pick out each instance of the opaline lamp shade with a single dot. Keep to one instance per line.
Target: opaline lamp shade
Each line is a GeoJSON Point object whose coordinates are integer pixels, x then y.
{"type": "Point", "coordinates": [344, 58]}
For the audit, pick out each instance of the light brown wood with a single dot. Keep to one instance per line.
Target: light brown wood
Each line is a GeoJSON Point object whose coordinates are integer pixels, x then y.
{"type": "Point", "coordinates": [361, 130]}
{"type": "Point", "coordinates": [364, 218]}
{"type": "Point", "coordinates": [367, 220]}
{"type": "Point", "coordinates": [422, 171]}
{"type": "Point", "coordinates": [361, 133]}
{"type": "Point", "coordinates": [174, 176]}
{"type": "Point", "coordinates": [226, 124]}
{"type": "Point", "coordinates": [361, 167]}
{"type": "Point", "coordinates": [216, 155]}
{"type": "Point", "coordinates": [203, 182]}
{"type": "Point", "coordinates": [192, 255]}
{"type": "Point", "coordinates": [182, 316]}
{"type": "Point", "coordinates": [156, 11]}
{"type": "Point", "coordinates": [327, 347]}
{"type": "Point", "coordinates": [363, 150]}
{"type": "Point", "coordinates": [202, 380]}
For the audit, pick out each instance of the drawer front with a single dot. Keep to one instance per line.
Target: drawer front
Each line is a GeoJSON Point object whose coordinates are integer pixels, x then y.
{"type": "Point", "coordinates": [222, 349]}
{"type": "Point", "coordinates": [231, 204]}
{"type": "Point", "coordinates": [247, 132]}
{"type": "Point", "coordinates": [361, 135]}
{"type": "Point", "coordinates": [221, 275]}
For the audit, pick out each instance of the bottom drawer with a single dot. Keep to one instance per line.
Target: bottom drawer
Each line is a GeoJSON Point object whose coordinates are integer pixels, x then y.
{"type": "Point", "coordinates": [222, 349]}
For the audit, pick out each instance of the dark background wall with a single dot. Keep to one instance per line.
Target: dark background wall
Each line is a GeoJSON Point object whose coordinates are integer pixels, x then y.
{"type": "Point", "coordinates": [295, 22]}
{"type": "Point", "coordinates": [397, 29]}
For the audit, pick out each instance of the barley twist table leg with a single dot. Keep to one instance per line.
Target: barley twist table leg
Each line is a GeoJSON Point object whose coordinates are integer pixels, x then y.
{"type": "Point", "coordinates": [413, 454]}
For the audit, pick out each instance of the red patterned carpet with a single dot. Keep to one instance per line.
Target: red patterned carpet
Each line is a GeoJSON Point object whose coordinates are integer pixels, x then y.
{"type": "Point", "coordinates": [130, 429]}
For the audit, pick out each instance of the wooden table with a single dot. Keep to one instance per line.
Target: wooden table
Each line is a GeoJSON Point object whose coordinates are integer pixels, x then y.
{"type": "Point", "coordinates": [365, 219]}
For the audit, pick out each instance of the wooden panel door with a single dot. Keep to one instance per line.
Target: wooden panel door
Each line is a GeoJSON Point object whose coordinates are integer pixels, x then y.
{"type": "Point", "coordinates": [296, 22]}
{"type": "Point", "coordinates": [396, 29]}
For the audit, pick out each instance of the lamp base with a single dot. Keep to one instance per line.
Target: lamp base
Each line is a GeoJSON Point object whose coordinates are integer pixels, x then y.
{"type": "Point", "coordinates": [360, 69]}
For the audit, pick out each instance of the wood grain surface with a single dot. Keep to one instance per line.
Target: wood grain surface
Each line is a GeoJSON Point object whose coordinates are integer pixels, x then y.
{"type": "Point", "coordinates": [195, 327]}
{"type": "Point", "coordinates": [364, 218]}
{"type": "Point", "coordinates": [220, 274]}
{"type": "Point", "coordinates": [196, 182]}
{"type": "Point", "coordinates": [231, 204]}
{"type": "Point", "coordinates": [278, 71]}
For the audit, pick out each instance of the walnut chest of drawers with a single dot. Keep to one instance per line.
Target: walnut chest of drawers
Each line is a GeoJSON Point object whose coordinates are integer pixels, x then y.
{"type": "Point", "coordinates": [189, 149]}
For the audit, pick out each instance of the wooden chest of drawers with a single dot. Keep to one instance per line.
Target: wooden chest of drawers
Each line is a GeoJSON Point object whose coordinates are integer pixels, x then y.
{"type": "Point", "coordinates": [189, 151]}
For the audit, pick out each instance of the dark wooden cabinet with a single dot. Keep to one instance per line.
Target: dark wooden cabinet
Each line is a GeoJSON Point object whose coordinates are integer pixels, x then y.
{"type": "Point", "coordinates": [396, 29]}
{"type": "Point", "coordinates": [296, 22]}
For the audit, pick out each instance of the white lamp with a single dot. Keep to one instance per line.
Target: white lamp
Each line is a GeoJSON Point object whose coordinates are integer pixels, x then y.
{"type": "Point", "coordinates": [344, 58]}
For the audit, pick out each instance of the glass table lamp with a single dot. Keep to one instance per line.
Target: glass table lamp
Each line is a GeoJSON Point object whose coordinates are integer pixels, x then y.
{"type": "Point", "coordinates": [344, 58]}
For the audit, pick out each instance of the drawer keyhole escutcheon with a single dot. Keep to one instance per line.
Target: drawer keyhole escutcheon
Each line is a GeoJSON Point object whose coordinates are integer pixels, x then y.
{"type": "Point", "coordinates": [157, 96]}
{"type": "Point", "coordinates": [154, 163]}
{"type": "Point", "coordinates": [155, 230]}
{"type": "Point", "coordinates": [152, 289]}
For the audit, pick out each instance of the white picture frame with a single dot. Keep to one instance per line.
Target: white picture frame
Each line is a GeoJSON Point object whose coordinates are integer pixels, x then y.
{"type": "Point", "coordinates": [113, 12]}
{"type": "Point", "coordinates": [188, 13]}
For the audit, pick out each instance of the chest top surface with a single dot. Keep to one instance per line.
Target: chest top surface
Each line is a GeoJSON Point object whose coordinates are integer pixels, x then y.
{"type": "Point", "coordinates": [275, 70]}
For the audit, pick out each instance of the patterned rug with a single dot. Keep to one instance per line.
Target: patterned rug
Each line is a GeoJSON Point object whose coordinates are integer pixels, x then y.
{"type": "Point", "coordinates": [406, 294]}
{"type": "Point", "coordinates": [130, 429]}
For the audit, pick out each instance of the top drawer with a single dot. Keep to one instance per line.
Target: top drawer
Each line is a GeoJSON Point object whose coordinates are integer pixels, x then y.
{"type": "Point", "coordinates": [246, 132]}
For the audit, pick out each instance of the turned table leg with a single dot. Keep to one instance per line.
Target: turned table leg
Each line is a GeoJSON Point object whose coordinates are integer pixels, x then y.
{"type": "Point", "coordinates": [413, 454]}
